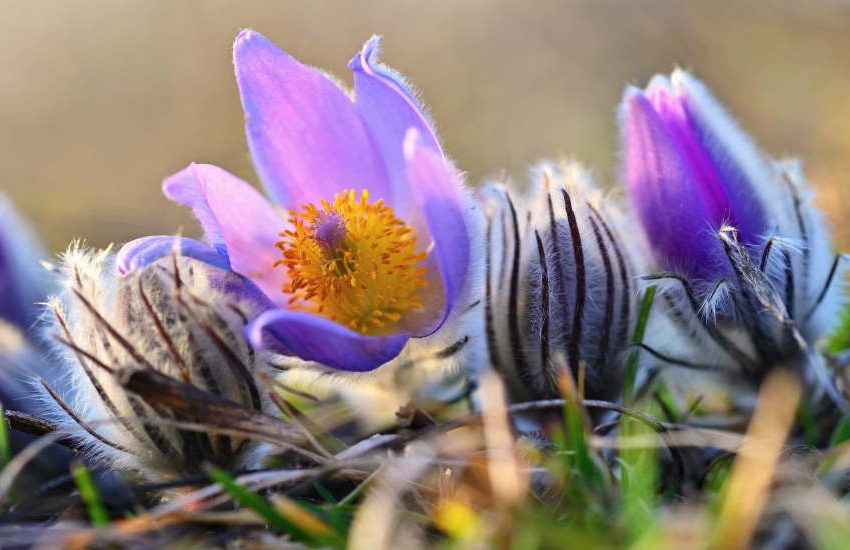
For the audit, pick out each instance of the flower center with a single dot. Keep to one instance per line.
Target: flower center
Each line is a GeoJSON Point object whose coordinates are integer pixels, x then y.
{"type": "Point", "coordinates": [352, 261]}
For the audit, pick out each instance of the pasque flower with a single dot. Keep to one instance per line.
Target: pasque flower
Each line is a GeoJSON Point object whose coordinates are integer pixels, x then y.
{"type": "Point", "coordinates": [560, 283]}
{"type": "Point", "coordinates": [135, 358]}
{"type": "Point", "coordinates": [734, 230]}
{"type": "Point", "coordinates": [363, 243]}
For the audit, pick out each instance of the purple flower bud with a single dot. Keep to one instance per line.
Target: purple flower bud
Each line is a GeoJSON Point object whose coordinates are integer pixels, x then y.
{"type": "Point", "coordinates": [684, 180]}
{"type": "Point", "coordinates": [753, 281]}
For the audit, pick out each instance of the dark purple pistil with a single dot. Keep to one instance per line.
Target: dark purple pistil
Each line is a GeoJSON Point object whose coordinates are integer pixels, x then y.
{"type": "Point", "coordinates": [329, 231]}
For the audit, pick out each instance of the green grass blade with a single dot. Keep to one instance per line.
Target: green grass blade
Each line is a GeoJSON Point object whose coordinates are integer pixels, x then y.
{"type": "Point", "coordinates": [582, 459]}
{"type": "Point", "coordinates": [840, 338]}
{"type": "Point", "coordinates": [806, 418]}
{"type": "Point", "coordinates": [667, 402]}
{"type": "Point", "coordinates": [271, 514]}
{"type": "Point", "coordinates": [639, 483]}
{"type": "Point", "coordinates": [841, 433]}
{"type": "Point", "coordinates": [5, 442]}
{"type": "Point", "coordinates": [640, 330]}
{"type": "Point", "coordinates": [324, 493]}
{"type": "Point", "coordinates": [258, 504]}
{"type": "Point", "coordinates": [98, 515]}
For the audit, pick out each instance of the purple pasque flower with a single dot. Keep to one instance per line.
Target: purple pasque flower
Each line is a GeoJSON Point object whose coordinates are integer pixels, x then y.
{"type": "Point", "coordinates": [735, 229]}
{"type": "Point", "coordinates": [363, 243]}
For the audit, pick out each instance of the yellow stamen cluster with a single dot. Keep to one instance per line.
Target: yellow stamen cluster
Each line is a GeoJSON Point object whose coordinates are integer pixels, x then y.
{"type": "Point", "coordinates": [352, 261]}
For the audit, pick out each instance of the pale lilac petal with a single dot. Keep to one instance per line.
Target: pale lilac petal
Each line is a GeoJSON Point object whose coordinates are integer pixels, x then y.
{"type": "Point", "coordinates": [317, 339]}
{"type": "Point", "coordinates": [667, 199]}
{"type": "Point", "coordinates": [184, 188]}
{"type": "Point", "coordinates": [142, 252]}
{"type": "Point", "coordinates": [389, 108]}
{"type": "Point", "coordinates": [439, 194]}
{"type": "Point", "coordinates": [246, 222]}
{"type": "Point", "coordinates": [306, 138]}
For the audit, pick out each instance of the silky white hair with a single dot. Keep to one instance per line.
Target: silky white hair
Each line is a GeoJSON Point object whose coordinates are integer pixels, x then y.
{"type": "Point", "coordinates": [785, 293]}
{"type": "Point", "coordinates": [561, 283]}
{"type": "Point", "coordinates": [167, 322]}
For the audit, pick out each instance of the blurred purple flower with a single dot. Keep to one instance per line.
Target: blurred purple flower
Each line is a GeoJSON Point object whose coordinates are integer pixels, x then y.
{"type": "Point", "coordinates": [352, 274]}
{"type": "Point", "coordinates": [23, 282]}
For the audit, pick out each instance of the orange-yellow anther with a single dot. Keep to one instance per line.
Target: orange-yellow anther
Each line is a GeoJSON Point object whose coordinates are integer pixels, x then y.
{"type": "Point", "coordinates": [352, 261]}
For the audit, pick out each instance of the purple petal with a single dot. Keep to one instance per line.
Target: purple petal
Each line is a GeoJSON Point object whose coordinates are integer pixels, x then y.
{"type": "Point", "coordinates": [142, 252]}
{"type": "Point", "coordinates": [389, 109]}
{"type": "Point", "coordinates": [306, 138]}
{"type": "Point", "coordinates": [439, 194]}
{"type": "Point", "coordinates": [735, 159]}
{"type": "Point", "coordinates": [317, 339]}
{"type": "Point", "coordinates": [137, 255]}
{"type": "Point", "coordinates": [669, 202]}
{"type": "Point", "coordinates": [235, 286]}
{"type": "Point", "coordinates": [244, 220]}
{"type": "Point", "coordinates": [727, 192]}
{"type": "Point", "coordinates": [183, 188]}
{"type": "Point", "coordinates": [673, 115]}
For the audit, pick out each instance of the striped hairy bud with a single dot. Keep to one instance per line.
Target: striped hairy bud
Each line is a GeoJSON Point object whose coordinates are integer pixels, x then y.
{"type": "Point", "coordinates": [152, 366]}
{"type": "Point", "coordinates": [559, 285]}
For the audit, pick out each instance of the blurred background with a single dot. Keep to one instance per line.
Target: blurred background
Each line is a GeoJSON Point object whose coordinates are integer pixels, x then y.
{"type": "Point", "coordinates": [101, 99]}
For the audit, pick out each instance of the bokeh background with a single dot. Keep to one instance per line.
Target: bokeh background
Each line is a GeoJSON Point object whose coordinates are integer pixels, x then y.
{"type": "Point", "coordinates": [101, 99]}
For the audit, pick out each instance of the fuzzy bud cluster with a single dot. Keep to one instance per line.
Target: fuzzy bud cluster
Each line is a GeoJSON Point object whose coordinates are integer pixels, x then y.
{"type": "Point", "coordinates": [145, 362]}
